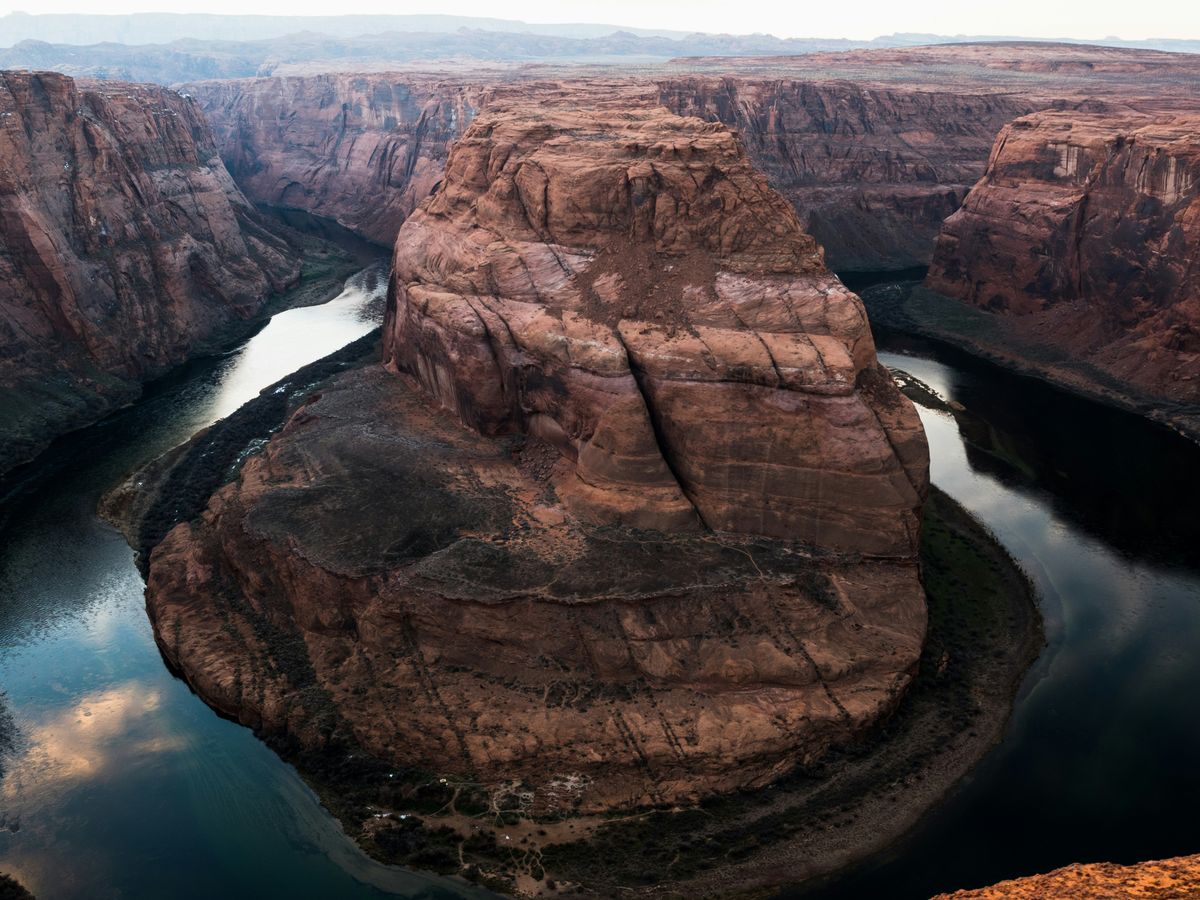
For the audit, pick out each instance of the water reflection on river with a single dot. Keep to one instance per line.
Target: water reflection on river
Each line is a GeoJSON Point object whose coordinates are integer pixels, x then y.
{"type": "Point", "coordinates": [1099, 761]}
{"type": "Point", "coordinates": [122, 783]}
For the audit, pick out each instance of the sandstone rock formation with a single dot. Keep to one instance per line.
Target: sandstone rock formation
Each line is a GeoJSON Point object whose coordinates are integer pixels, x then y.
{"type": "Point", "coordinates": [646, 304]}
{"type": "Point", "coordinates": [124, 246]}
{"type": "Point", "coordinates": [1160, 880]}
{"type": "Point", "coordinates": [671, 553]}
{"type": "Point", "coordinates": [871, 172]}
{"type": "Point", "coordinates": [361, 149]}
{"type": "Point", "coordinates": [1085, 231]}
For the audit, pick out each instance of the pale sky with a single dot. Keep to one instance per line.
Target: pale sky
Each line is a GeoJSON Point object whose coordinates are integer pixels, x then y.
{"type": "Point", "coordinates": [858, 19]}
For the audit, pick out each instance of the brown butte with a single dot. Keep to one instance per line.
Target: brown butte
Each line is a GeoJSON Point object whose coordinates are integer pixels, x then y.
{"type": "Point", "coordinates": [1168, 879]}
{"type": "Point", "coordinates": [631, 514]}
{"type": "Point", "coordinates": [124, 247]}
{"type": "Point", "coordinates": [1083, 235]}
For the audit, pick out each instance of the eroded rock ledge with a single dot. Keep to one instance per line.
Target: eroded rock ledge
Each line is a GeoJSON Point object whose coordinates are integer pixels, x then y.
{"type": "Point", "coordinates": [629, 517]}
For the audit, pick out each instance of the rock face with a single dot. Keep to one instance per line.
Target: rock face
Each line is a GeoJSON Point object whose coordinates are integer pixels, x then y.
{"type": "Point", "coordinates": [652, 308]}
{"type": "Point", "coordinates": [1168, 878]}
{"type": "Point", "coordinates": [671, 553]}
{"type": "Point", "coordinates": [1085, 232]}
{"type": "Point", "coordinates": [871, 172]}
{"type": "Point", "coordinates": [124, 246]}
{"type": "Point", "coordinates": [361, 149]}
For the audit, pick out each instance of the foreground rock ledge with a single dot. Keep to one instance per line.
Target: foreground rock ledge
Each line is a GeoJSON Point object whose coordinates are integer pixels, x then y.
{"type": "Point", "coordinates": [1159, 880]}
{"type": "Point", "coordinates": [630, 516]}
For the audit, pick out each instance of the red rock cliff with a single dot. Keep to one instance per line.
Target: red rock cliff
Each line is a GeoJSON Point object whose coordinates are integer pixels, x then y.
{"type": "Point", "coordinates": [871, 172]}
{"type": "Point", "coordinates": [124, 244]}
{"type": "Point", "coordinates": [1085, 231]}
{"type": "Point", "coordinates": [361, 149]}
{"type": "Point", "coordinates": [673, 553]}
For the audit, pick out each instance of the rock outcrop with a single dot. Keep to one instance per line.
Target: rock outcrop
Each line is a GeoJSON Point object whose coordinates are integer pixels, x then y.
{"type": "Point", "coordinates": [1084, 233]}
{"type": "Point", "coordinates": [124, 247]}
{"type": "Point", "coordinates": [363, 150]}
{"type": "Point", "coordinates": [648, 305]}
{"type": "Point", "coordinates": [672, 551]}
{"type": "Point", "coordinates": [871, 172]}
{"type": "Point", "coordinates": [1160, 880]}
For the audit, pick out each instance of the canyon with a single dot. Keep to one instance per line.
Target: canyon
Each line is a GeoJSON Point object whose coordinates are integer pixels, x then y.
{"type": "Point", "coordinates": [591, 289]}
{"type": "Point", "coordinates": [125, 247]}
{"type": "Point", "coordinates": [618, 521]}
{"type": "Point", "coordinates": [875, 149]}
{"type": "Point", "coordinates": [359, 149]}
{"type": "Point", "coordinates": [872, 172]}
{"type": "Point", "coordinates": [1082, 237]}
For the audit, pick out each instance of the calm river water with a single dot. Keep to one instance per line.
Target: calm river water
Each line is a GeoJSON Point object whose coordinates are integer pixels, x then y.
{"type": "Point", "coordinates": [121, 783]}
{"type": "Point", "coordinates": [1101, 760]}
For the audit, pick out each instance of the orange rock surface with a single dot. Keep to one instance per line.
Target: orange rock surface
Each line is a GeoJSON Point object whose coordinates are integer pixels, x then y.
{"type": "Point", "coordinates": [1168, 879]}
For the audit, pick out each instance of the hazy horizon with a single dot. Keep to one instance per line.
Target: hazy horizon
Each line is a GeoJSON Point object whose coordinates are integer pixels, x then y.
{"type": "Point", "coordinates": [862, 21]}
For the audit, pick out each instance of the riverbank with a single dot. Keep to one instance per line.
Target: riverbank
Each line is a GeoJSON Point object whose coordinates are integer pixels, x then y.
{"type": "Point", "coordinates": [910, 308]}
{"type": "Point", "coordinates": [984, 632]}
{"type": "Point", "coordinates": [175, 487]}
{"type": "Point", "coordinates": [326, 261]}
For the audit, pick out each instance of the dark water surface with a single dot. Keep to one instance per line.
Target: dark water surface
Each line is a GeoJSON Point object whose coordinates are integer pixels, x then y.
{"type": "Point", "coordinates": [120, 782]}
{"type": "Point", "coordinates": [1101, 760]}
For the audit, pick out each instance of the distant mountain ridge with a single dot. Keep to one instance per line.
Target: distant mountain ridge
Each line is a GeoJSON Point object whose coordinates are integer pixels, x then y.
{"type": "Point", "coordinates": [165, 28]}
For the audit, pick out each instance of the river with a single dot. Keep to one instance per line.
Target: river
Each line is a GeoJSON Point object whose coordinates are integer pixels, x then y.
{"type": "Point", "coordinates": [121, 783]}
{"type": "Point", "coordinates": [1099, 761]}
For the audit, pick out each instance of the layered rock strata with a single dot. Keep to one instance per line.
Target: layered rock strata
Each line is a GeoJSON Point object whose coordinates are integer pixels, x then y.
{"type": "Point", "coordinates": [361, 149]}
{"type": "Point", "coordinates": [871, 172]}
{"type": "Point", "coordinates": [1084, 234]}
{"type": "Point", "coordinates": [628, 517]}
{"type": "Point", "coordinates": [124, 247]}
